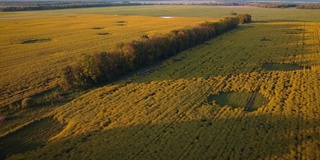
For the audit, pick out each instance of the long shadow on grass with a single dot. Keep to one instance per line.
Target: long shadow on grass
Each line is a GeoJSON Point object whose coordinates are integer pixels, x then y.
{"type": "Point", "coordinates": [242, 50]}
{"type": "Point", "coordinates": [241, 137]}
{"type": "Point", "coordinates": [30, 137]}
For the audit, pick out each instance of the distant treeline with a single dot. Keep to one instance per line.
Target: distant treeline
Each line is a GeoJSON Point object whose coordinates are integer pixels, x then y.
{"type": "Point", "coordinates": [30, 6]}
{"type": "Point", "coordinates": [287, 5]}
{"type": "Point", "coordinates": [309, 6]}
{"type": "Point", "coordinates": [104, 67]}
{"type": "Point", "coordinates": [274, 5]}
{"type": "Point", "coordinates": [50, 5]}
{"type": "Point", "coordinates": [193, 3]}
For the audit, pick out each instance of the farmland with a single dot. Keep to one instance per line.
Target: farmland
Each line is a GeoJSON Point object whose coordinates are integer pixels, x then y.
{"type": "Point", "coordinates": [171, 110]}
{"type": "Point", "coordinates": [59, 44]}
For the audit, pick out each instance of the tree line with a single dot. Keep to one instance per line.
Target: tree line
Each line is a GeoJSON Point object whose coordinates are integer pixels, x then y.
{"type": "Point", "coordinates": [274, 5]}
{"type": "Point", "coordinates": [50, 5]}
{"type": "Point", "coordinates": [104, 67]}
{"type": "Point", "coordinates": [287, 5]}
{"type": "Point", "coordinates": [30, 6]}
{"type": "Point", "coordinates": [309, 6]}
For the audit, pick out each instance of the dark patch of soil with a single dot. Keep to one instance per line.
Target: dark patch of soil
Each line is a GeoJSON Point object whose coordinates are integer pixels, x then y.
{"type": "Point", "coordinates": [30, 41]}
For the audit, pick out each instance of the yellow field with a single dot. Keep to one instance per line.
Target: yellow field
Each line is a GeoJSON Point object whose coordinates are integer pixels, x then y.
{"type": "Point", "coordinates": [27, 69]}
{"type": "Point", "coordinates": [163, 112]}
{"type": "Point", "coordinates": [166, 111]}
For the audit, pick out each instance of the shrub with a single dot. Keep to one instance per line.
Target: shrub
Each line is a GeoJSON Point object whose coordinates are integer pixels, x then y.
{"type": "Point", "coordinates": [27, 102]}
{"type": "Point", "coordinates": [67, 78]}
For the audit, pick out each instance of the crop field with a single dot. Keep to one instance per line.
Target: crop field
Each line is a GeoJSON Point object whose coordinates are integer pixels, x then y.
{"type": "Point", "coordinates": [250, 93]}
{"type": "Point", "coordinates": [33, 51]}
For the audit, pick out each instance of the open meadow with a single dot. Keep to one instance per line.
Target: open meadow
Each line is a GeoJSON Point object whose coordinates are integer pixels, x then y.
{"type": "Point", "coordinates": [250, 93]}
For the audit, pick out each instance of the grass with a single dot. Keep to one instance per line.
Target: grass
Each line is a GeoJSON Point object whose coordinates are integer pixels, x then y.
{"type": "Point", "coordinates": [162, 111]}
{"type": "Point", "coordinates": [232, 99]}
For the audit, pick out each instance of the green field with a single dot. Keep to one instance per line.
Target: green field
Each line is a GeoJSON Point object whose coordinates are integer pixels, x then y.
{"type": "Point", "coordinates": [189, 106]}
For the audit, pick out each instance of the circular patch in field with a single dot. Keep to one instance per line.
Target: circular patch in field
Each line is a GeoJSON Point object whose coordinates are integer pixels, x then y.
{"type": "Point", "coordinates": [103, 33]}
{"type": "Point", "coordinates": [121, 23]}
{"type": "Point", "coordinates": [30, 41]}
{"type": "Point", "coordinates": [96, 28]}
{"type": "Point", "coordinates": [282, 67]}
{"type": "Point", "coordinates": [249, 101]}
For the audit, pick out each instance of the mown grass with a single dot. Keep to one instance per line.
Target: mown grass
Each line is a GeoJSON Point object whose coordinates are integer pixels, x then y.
{"type": "Point", "coordinates": [163, 111]}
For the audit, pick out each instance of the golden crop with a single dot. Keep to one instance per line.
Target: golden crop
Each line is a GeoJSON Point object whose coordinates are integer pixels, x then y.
{"type": "Point", "coordinates": [51, 43]}
{"type": "Point", "coordinates": [166, 112]}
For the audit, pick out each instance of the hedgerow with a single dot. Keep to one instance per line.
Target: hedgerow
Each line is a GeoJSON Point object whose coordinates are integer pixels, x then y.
{"type": "Point", "coordinates": [103, 67]}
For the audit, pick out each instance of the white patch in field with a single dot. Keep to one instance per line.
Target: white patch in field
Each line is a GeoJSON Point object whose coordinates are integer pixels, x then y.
{"type": "Point", "coordinates": [166, 17]}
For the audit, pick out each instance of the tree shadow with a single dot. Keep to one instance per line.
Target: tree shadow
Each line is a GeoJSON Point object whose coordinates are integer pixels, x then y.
{"type": "Point", "coordinates": [29, 137]}
{"type": "Point", "coordinates": [237, 137]}
{"type": "Point", "coordinates": [220, 56]}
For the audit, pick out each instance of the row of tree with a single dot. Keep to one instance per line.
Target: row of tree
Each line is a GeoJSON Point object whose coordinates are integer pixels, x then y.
{"type": "Point", "coordinates": [287, 5]}
{"type": "Point", "coordinates": [274, 5]}
{"type": "Point", "coordinates": [29, 6]}
{"type": "Point", "coordinates": [50, 5]}
{"type": "Point", "coordinates": [103, 67]}
{"type": "Point", "coordinates": [309, 6]}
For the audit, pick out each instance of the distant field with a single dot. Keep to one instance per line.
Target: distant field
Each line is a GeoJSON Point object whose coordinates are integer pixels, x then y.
{"type": "Point", "coordinates": [172, 110]}
{"type": "Point", "coordinates": [259, 14]}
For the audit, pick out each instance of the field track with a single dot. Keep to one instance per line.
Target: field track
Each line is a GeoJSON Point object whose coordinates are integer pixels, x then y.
{"type": "Point", "coordinates": [251, 100]}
